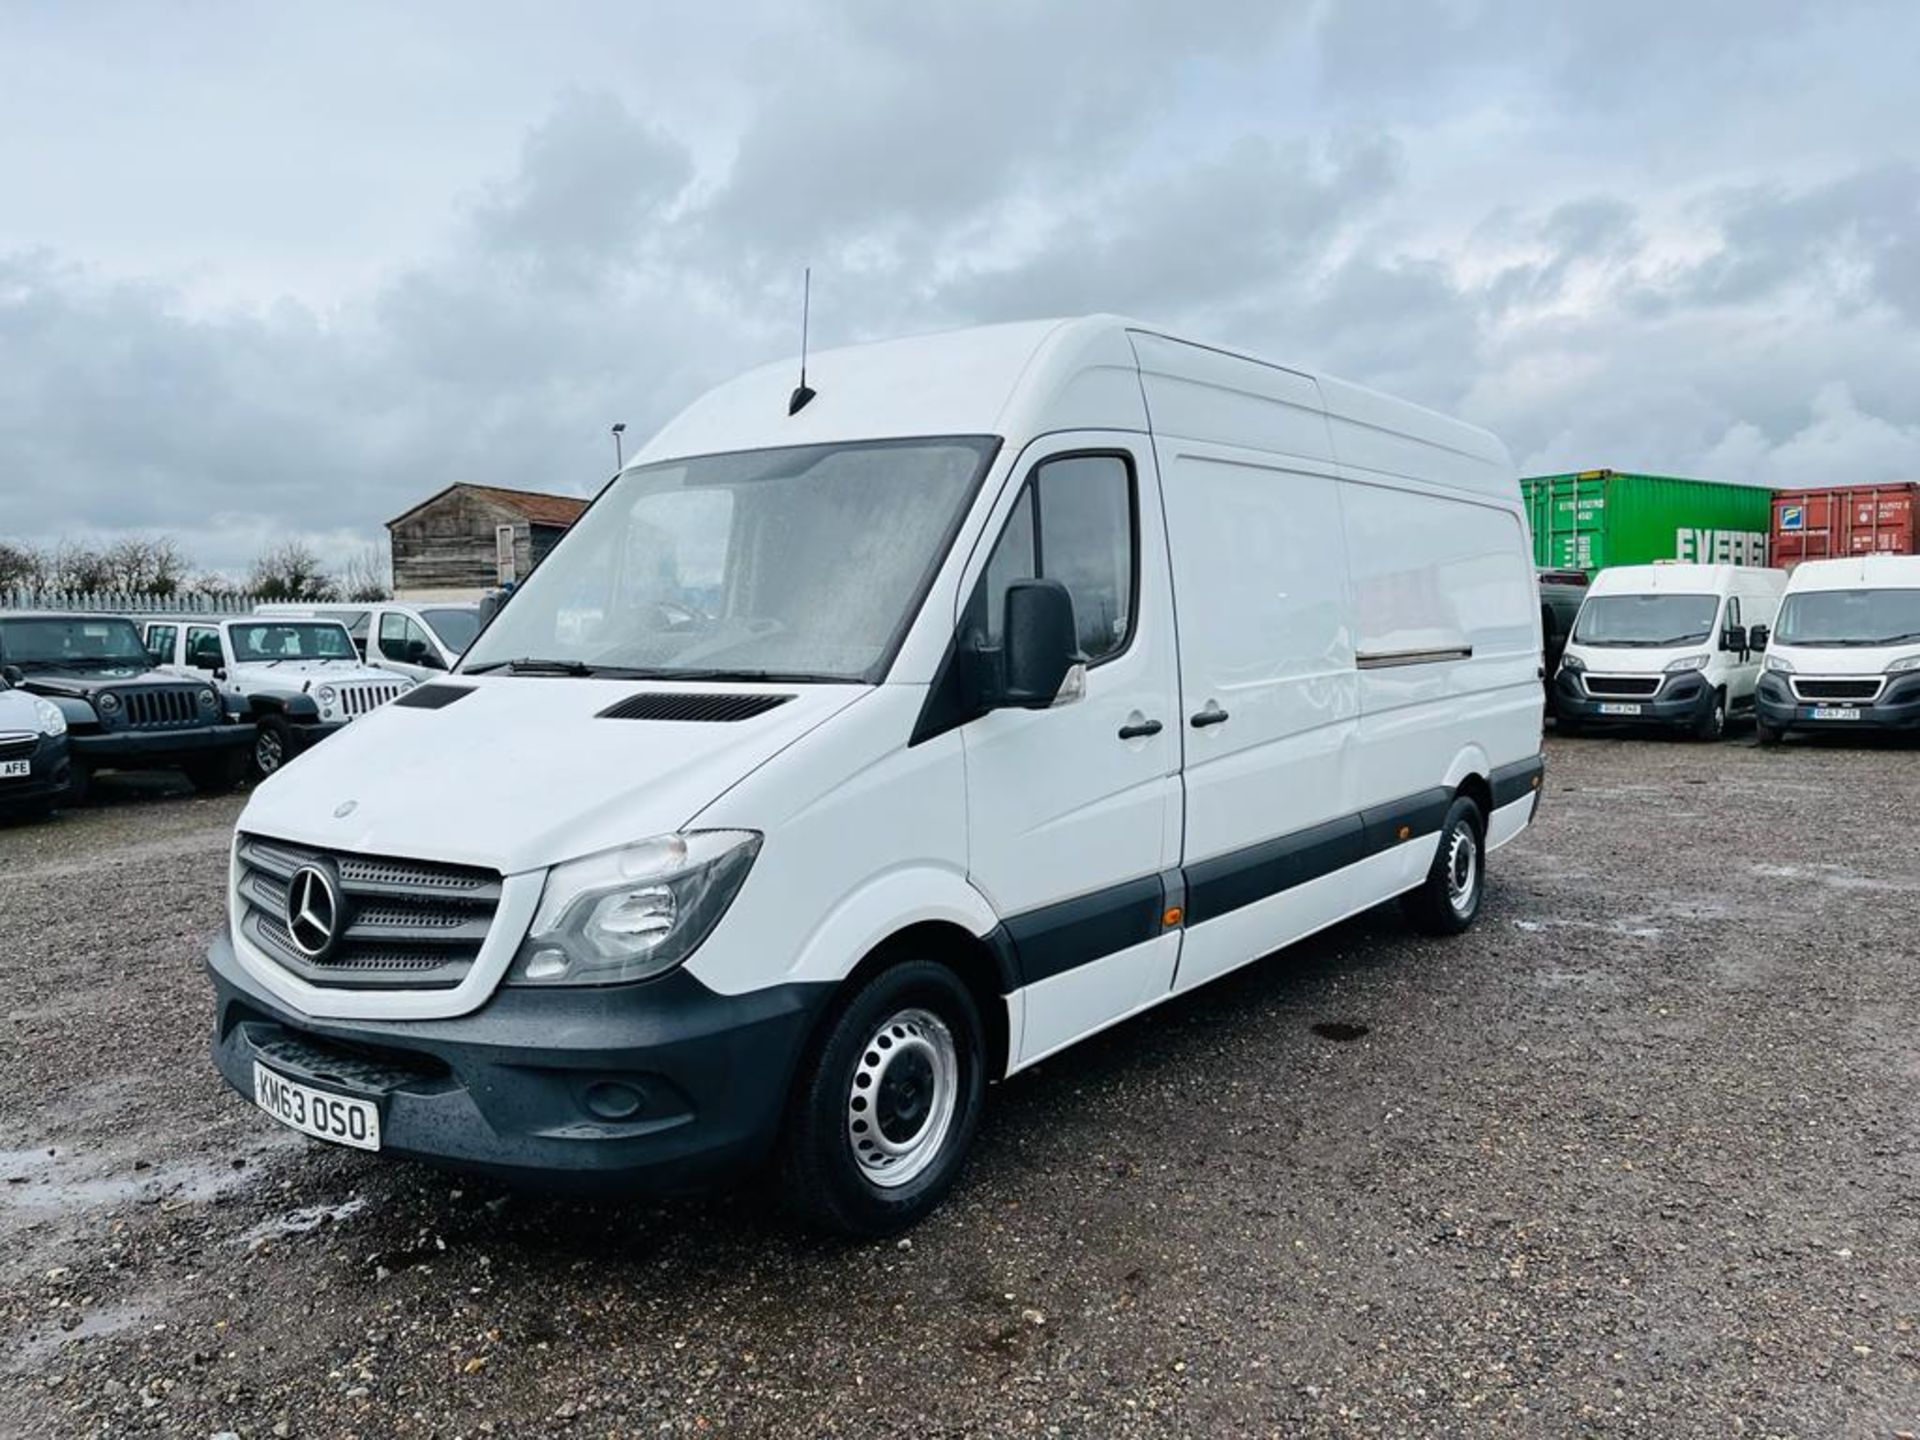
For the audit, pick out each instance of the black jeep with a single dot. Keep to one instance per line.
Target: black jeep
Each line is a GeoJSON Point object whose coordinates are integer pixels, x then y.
{"type": "Point", "coordinates": [121, 713]}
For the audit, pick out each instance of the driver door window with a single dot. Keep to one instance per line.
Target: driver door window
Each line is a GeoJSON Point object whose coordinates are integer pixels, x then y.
{"type": "Point", "coordinates": [203, 647]}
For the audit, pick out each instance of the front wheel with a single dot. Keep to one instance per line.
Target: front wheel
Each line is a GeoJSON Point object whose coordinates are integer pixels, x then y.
{"type": "Point", "coordinates": [1449, 898]}
{"type": "Point", "coordinates": [883, 1115]}
{"type": "Point", "coordinates": [1711, 723]}
{"type": "Point", "coordinates": [1769, 734]}
{"type": "Point", "coordinates": [272, 746]}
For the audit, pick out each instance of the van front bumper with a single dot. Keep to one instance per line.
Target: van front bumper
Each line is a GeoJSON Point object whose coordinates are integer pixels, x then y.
{"type": "Point", "coordinates": [1897, 708]}
{"type": "Point", "coordinates": [1680, 700]}
{"type": "Point", "coordinates": [659, 1087]}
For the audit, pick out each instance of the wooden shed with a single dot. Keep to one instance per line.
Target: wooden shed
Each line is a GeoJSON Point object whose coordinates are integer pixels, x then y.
{"type": "Point", "coordinates": [469, 538]}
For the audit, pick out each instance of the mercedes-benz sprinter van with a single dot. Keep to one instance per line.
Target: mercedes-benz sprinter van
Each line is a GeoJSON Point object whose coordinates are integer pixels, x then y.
{"type": "Point", "coordinates": [870, 740]}
{"type": "Point", "coordinates": [1845, 654]}
{"type": "Point", "coordinates": [1667, 645]}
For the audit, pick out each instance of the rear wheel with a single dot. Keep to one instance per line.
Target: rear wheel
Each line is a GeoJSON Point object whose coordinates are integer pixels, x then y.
{"type": "Point", "coordinates": [1711, 723]}
{"type": "Point", "coordinates": [884, 1112]}
{"type": "Point", "coordinates": [1448, 900]}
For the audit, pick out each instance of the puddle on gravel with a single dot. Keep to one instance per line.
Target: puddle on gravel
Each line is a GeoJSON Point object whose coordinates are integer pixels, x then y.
{"type": "Point", "coordinates": [303, 1221]}
{"type": "Point", "coordinates": [34, 1349]}
{"type": "Point", "coordinates": [1340, 1030]}
{"type": "Point", "coordinates": [54, 1181]}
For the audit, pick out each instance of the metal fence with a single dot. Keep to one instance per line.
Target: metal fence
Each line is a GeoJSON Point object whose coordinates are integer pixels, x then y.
{"type": "Point", "coordinates": [108, 602]}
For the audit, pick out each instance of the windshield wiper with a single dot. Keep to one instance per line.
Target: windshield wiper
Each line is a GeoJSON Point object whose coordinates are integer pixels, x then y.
{"type": "Point", "coordinates": [528, 665]}
{"type": "Point", "coordinates": [775, 677]}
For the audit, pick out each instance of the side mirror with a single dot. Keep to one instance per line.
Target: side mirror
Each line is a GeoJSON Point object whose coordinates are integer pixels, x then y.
{"type": "Point", "coordinates": [1040, 648]}
{"type": "Point", "coordinates": [13, 675]}
{"type": "Point", "coordinates": [1734, 638]}
{"type": "Point", "coordinates": [416, 652]}
{"type": "Point", "coordinates": [1757, 637]}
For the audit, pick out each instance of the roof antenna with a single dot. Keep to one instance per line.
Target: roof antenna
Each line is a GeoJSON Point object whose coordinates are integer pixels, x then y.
{"type": "Point", "coordinates": [802, 394]}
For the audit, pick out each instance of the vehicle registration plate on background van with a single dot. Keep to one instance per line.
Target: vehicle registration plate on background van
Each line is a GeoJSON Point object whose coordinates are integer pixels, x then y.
{"type": "Point", "coordinates": [15, 769]}
{"type": "Point", "coordinates": [1619, 709]}
{"type": "Point", "coordinates": [338, 1118]}
{"type": "Point", "coordinates": [1836, 712]}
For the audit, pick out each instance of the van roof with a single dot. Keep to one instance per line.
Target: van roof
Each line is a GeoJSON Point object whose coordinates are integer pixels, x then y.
{"type": "Point", "coordinates": [1678, 579]}
{"type": "Point", "coordinates": [1883, 572]}
{"type": "Point", "coordinates": [1096, 372]}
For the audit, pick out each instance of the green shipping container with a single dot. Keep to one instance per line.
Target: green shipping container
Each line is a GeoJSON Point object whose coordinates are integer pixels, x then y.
{"type": "Point", "coordinates": [1599, 518]}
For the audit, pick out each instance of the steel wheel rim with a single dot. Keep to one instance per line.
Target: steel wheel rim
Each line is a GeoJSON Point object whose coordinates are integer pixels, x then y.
{"type": "Point", "coordinates": [266, 752]}
{"type": "Point", "coordinates": [1463, 870]}
{"type": "Point", "coordinates": [901, 1103]}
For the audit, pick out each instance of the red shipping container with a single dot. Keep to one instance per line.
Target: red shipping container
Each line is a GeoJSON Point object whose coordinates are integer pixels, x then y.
{"type": "Point", "coordinates": [1846, 520]}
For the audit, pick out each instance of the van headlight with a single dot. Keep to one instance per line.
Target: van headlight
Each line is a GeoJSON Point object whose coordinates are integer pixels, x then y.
{"type": "Point", "coordinates": [1904, 665]}
{"type": "Point", "coordinates": [53, 720]}
{"type": "Point", "coordinates": [1779, 664]}
{"type": "Point", "coordinates": [632, 913]}
{"type": "Point", "coordinates": [1573, 663]}
{"type": "Point", "coordinates": [1686, 663]}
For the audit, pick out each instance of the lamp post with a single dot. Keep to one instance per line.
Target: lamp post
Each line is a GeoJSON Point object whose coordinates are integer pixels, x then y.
{"type": "Point", "coordinates": [619, 461]}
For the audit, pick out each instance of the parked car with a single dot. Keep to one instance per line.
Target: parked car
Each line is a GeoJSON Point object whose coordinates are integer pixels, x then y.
{"type": "Point", "coordinates": [1845, 654]}
{"type": "Point", "coordinates": [861, 746]}
{"type": "Point", "coordinates": [1666, 645]}
{"type": "Point", "coordinates": [418, 641]}
{"type": "Point", "coordinates": [33, 751]}
{"type": "Point", "coordinates": [121, 713]}
{"type": "Point", "coordinates": [1561, 592]}
{"type": "Point", "coordinates": [301, 679]}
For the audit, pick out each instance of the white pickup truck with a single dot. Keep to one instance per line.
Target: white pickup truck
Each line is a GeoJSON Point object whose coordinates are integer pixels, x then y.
{"type": "Point", "coordinates": [418, 641]}
{"type": "Point", "coordinates": [302, 679]}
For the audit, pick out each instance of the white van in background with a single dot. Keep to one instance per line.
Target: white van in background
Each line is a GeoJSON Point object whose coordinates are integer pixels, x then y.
{"type": "Point", "coordinates": [1666, 645]}
{"type": "Point", "coordinates": [417, 641]}
{"type": "Point", "coordinates": [866, 743]}
{"type": "Point", "coordinates": [1845, 654]}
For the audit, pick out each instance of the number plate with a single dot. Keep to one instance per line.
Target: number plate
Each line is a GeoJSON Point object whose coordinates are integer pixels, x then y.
{"type": "Point", "coordinates": [16, 769]}
{"type": "Point", "coordinates": [1617, 709]}
{"type": "Point", "coordinates": [1836, 712]}
{"type": "Point", "coordinates": [338, 1118]}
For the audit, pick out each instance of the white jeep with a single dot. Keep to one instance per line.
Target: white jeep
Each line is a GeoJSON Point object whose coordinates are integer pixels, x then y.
{"type": "Point", "coordinates": [302, 679]}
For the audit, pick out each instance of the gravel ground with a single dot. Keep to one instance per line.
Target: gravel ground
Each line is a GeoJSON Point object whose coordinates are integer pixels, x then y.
{"type": "Point", "coordinates": [1637, 1156]}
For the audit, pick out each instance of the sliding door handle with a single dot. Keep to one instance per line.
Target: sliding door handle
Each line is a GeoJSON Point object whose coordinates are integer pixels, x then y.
{"type": "Point", "coordinates": [1138, 729]}
{"type": "Point", "coordinates": [1211, 715]}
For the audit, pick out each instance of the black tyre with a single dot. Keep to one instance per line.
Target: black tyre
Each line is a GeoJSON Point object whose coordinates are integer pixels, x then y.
{"type": "Point", "coordinates": [1448, 900]}
{"type": "Point", "coordinates": [1711, 723]}
{"type": "Point", "coordinates": [217, 774]}
{"type": "Point", "coordinates": [1566, 725]}
{"type": "Point", "coordinates": [79, 785]}
{"type": "Point", "coordinates": [886, 1106]}
{"type": "Point", "coordinates": [1769, 734]}
{"type": "Point", "coordinates": [272, 747]}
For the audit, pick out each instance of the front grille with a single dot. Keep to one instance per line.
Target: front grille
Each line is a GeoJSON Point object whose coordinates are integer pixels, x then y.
{"type": "Point", "coordinates": [163, 709]}
{"type": "Point", "coordinates": [1857, 690]}
{"type": "Point", "coordinates": [14, 746]}
{"type": "Point", "coordinates": [361, 696]}
{"type": "Point", "coordinates": [1628, 687]}
{"type": "Point", "coordinates": [403, 924]}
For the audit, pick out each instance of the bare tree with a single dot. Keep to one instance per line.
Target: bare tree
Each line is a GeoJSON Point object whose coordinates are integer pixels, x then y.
{"type": "Point", "coordinates": [73, 566]}
{"type": "Point", "coordinates": [150, 565]}
{"type": "Point", "coordinates": [290, 571]}
{"type": "Point", "coordinates": [21, 566]}
{"type": "Point", "coordinates": [366, 576]}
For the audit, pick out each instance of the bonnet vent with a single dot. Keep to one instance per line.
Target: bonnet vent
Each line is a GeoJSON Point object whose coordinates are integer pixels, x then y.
{"type": "Point", "coordinates": [695, 709]}
{"type": "Point", "coordinates": [432, 697]}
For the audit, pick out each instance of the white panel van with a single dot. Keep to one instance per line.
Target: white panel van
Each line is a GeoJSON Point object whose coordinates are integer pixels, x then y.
{"type": "Point", "coordinates": [1668, 645]}
{"type": "Point", "coordinates": [1845, 654]}
{"type": "Point", "coordinates": [865, 743]}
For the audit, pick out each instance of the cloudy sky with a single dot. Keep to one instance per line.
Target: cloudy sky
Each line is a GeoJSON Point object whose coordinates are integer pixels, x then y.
{"type": "Point", "coordinates": [272, 269]}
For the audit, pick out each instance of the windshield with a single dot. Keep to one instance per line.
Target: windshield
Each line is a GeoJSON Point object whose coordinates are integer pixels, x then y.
{"type": "Point", "coordinates": [800, 564]}
{"type": "Point", "coordinates": [456, 628]}
{"type": "Point", "coordinates": [291, 640]}
{"type": "Point", "coordinates": [71, 640]}
{"type": "Point", "coordinates": [1849, 617]}
{"type": "Point", "coordinates": [1645, 620]}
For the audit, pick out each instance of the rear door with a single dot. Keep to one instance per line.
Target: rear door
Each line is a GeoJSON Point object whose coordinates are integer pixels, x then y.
{"type": "Point", "coordinates": [1073, 812]}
